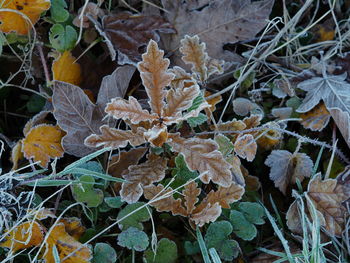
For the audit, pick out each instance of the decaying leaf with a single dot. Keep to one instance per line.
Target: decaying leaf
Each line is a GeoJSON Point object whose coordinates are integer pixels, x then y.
{"type": "Point", "coordinates": [216, 22]}
{"type": "Point", "coordinates": [327, 197]}
{"type": "Point", "coordinates": [13, 22]}
{"type": "Point", "coordinates": [155, 76]}
{"type": "Point", "coordinates": [73, 226]}
{"type": "Point", "coordinates": [317, 118]}
{"type": "Point", "coordinates": [287, 168]}
{"type": "Point", "coordinates": [43, 142]}
{"type": "Point", "coordinates": [65, 244]}
{"type": "Point", "coordinates": [129, 34]}
{"type": "Point", "coordinates": [334, 92]}
{"type": "Point", "coordinates": [245, 147]}
{"type": "Point", "coordinates": [203, 155]}
{"type": "Point", "coordinates": [139, 176]}
{"type": "Point", "coordinates": [25, 235]}
{"type": "Point", "coordinates": [65, 69]}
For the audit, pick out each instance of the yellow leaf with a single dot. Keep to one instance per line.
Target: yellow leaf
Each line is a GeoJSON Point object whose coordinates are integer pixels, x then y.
{"type": "Point", "coordinates": [13, 22]}
{"type": "Point", "coordinates": [73, 226]}
{"type": "Point", "coordinates": [65, 245]}
{"type": "Point", "coordinates": [65, 69]}
{"type": "Point", "coordinates": [316, 119]}
{"type": "Point", "coordinates": [42, 143]}
{"type": "Point", "coordinates": [16, 154]}
{"type": "Point", "coordinates": [155, 76]}
{"type": "Point", "coordinates": [25, 235]}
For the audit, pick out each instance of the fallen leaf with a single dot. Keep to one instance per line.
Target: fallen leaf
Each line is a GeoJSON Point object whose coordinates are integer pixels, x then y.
{"type": "Point", "coordinates": [316, 119]}
{"type": "Point", "coordinates": [73, 226]}
{"type": "Point", "coordinates": [65, 69]}
{"type": "Point", "coordinates": [287, 168]}
{"type": "Point", "coordinates": [76, 115]}
{"type": "Point", "coordinates": [24, 235]}
{"type": "Point", "coordinates": [334, 92]}
{"type": "Point", "coordinates": [13, 22]}
{"type": "Point", "coordinates": [245, 146]}
{"type": "Point", "coordinates": [181, 79]}
{"type": "Point", "coordinates": [16, 154]}
{"type": "Point", "coordinates": [129, 34]}
{"type": "Point", "coordinates": [140, 176]}
{"type": "Point", "coordinates": [91, 9]}
{"type": "Point", "coordinates": [65, 245]}
{"type": "Point", "coordinates": [216, 22]}
{"type": "Point", "coordinates": [43, 142]}
{"type": "Point", "coordinates": [155, 76]}
{"type": "Point", "coordinates": [203, 155]}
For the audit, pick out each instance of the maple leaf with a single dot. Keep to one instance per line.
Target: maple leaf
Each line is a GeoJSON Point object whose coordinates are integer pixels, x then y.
{"type": "Point", "coordinates": [155, 77]}
{"type": "Point", "coordinates": [334, 92]}
{"type": "Point", "coordinates": [24, 235]}
{"type": "Point", "coordinates": [65, 69]}
{"type": "Point", "coordinates": [129, 34]}
{"type": "Point", "coordinates": [65, 245]}
{"type": "Point", "coordinates": [287, 168]}
{"type": "Point", "coordinates": [43, 142]}
{"type": "Point", "coordinates": [203, 155]}
{"type": "Point", "coordinates": [216, 22]}
{"type": "Point", "coordinates": [316, 119]}
{"type": "Point", "coordinates": [139, 176]}
{"type": "Point", "coordinates": [12, 22]}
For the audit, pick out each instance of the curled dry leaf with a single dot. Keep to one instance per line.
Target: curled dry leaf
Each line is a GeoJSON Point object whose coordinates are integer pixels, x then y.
{"type": "Point", "coordinates": [25, 235]}
{"type": "Point", "coordinates": [181, 79]}
{"type": "Point", "coordinates": [65, 244]}
{"type": "Point", "coordinates": [317, 118]}
{"type": "Point", "coordinates": [217, 22]}
{"type": "Point", "coordinates": [65, 69]}
{"type": "Point", "coordinates": [14, 22]}
{"type": "Point", "coordinates": [111, 137]}
{"type": "Point", "coordinates": [245, 147]}
{"type": "Point", "coordinates": [287, 168]}
{"type": "Point", "coordinates": [203, 155]}
{"type": "Point", "coordinates": [128, 34]}
{"type": "Point", "coordinates": [43, 142]}
{"type": "Point", "coordinates": [139, 176]}
{"type": "Point", "coordinates": [155, 76]}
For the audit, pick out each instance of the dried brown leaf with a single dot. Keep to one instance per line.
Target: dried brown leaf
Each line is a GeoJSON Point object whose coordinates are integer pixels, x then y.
{"type": "Point", "coordinates": [157, 135]}
{"type": "Point", "coordinates": [128, 34]}
{"type": "Point", "coordinates": [203, 155]}
{"type": "Point", "coordinates": [191, 193]}
{"type": "Point", "coordinates": [286, 168]}
{"type": "Point", "coordinates": [246, 147]}
{"type": "Point", "coordinates": [316, 119]}
{"type": "Point", "coordinates": [209, 214]}
{"type": "Point", "coordinates": [155, 76]}
{"type": "Point", "coordinates": [182, 78]}
{"type": "Point", "coordinates": [194, 53]}
{"type": "Point", "coordinates": [128, 110]}
{"type": "Point", "coordinates": [111, 137]}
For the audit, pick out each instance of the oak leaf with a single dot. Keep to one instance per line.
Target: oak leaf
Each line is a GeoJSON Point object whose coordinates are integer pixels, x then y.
{"type": "Point", "coordinates": [155, 76]}
{"type": "Point", "coordinates": [65, 245]}
{"type": "Point", "coordinates": [24, 235]}
{"type": "Point", "coordinates": [43, 142]}
{"type": "Point", "coordinates": [204, 156]}
{"type": "Point", "coordinates": [287, 168]}
{"type": "Point", "coordinates": [140, 176]}
{"type": "Point", "coordinates": [65, 69]}
{"type": "Point", "coordinates": [13, 22]}
{"type": "Point", "coordinates": [316, 119]}
{"type": "Point", "coordinates": [181, 79]}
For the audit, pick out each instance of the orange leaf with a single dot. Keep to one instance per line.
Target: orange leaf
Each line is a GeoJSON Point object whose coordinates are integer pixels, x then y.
{"type": "Point", "coordinates": [13, 22]}
{"type": "Point", "coordinates": [65, 69]}
{"type": "Point", "coordinates": [65, 245]}
{"type": "Point", "coordinates": [212, 102]}
{"type": "Point", "coordinates": [25, 235]}
{"type": "Point", "coordinates": [73, 226]}
{"type": "Point", "coordinates": [317, 118]}
{"type": "Point", "coordinates": [155, 76]}
{"type": "Point", "coordinates": [43, 142]}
